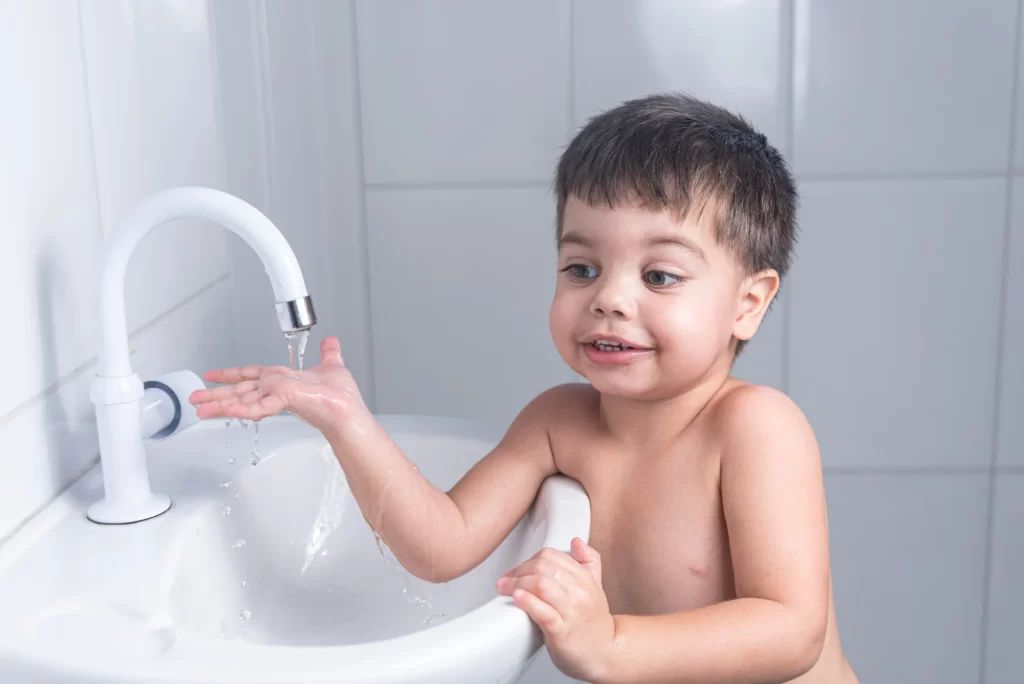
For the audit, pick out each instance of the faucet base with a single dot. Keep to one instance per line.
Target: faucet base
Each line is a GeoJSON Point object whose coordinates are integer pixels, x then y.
{"type": "Point", "coordinates": [119, 513]}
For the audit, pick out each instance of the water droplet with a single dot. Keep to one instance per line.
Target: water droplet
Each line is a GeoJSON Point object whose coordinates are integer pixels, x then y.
{"type": "Point", "coordinates": [323, 553]}
{"type": "Point", "coordinates": [236, 495]}
{"type": "Point", "coordinates": [224, 446]}
{"type": "Point", "coordinates": [228, 422]}
{"type": "Point", "coordinates": [231, 461]}
{"type": "Point", "coordinates": [239, 544]}
{"type": "Point", "coordinates": [254, 459]}
{"type": "Point", "coordinates": [242, 583]}
{"type": "Point", "coordinates": [227, 484]}
{"type": "Point", "coordinates": [245, 614]}
{"type": "Point", "coordinates": [226, 510]}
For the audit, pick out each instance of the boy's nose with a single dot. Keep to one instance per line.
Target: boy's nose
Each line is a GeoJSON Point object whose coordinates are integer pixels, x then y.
{"type": "Point", "coordinates": [613, 299]}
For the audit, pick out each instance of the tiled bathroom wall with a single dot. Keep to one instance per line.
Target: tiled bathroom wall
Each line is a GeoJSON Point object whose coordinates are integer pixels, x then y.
{"type": "Point", "coordinates": [102, 104]}
{"type": "Point", "coordinates": [405, 149]}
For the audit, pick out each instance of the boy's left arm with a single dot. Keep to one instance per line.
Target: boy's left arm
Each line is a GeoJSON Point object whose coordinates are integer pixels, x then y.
{"type": "Point", "coordinates": [773, 631]}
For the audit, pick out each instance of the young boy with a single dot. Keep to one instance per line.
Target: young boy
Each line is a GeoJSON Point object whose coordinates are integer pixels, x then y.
{"type": "Point", "coordinates": [708, 558]}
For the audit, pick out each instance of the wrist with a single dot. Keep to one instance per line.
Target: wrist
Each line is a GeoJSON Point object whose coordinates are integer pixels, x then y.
{"type": "Point", "coordinates": [609, 669]}
{"type": "Point", "coordinates": [350, 427]}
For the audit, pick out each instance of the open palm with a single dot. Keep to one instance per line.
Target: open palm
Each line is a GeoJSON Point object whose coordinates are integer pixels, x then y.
{"type": "Point", "coordinates": [322, 395]}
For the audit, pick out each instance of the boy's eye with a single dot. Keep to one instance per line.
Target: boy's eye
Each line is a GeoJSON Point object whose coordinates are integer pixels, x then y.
{"type": "Point", "coordinates": [661, 279]}
{"type": "Point", "coordinates": [581, 271]}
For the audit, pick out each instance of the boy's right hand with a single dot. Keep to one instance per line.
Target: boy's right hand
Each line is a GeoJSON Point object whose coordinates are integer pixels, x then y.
{"type": "Point", "coordinates": [325, 396]}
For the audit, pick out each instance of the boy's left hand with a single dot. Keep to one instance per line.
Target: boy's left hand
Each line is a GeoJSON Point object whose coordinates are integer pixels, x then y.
{"type": "Point", "coordinates": [563, 595]}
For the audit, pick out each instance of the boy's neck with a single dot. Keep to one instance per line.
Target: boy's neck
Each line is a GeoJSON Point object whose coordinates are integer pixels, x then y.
{"type": "Point", "coordinates": [640, 422]}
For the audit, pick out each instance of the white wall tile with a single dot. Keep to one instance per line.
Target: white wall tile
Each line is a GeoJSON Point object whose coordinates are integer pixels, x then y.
{"type": "Point", "coordinates": [458, 90]}
{"type": "Point", "coordinates": [46, 444]}
{"type": "Point", "coordinates": [461, 284]}
{"type": "Point", "coordinates": [1011, 405]}
{"type": "Point", "coordinates": [725, 52]}
{"type": "Point", "coordinates": [1004, 658]}
{"type": "Point", "coordinates": [50, 230]}
{"type": "Point", "coordinates": [298, 154]}
{"type": "Point", "coordinates": [907, 568]}
{"type": "Point", "coordinates": [155, 125]}
{"type": "Point", "coordinates": [910, 86]}
{"type": "Point", "coordinates": [894, 311]}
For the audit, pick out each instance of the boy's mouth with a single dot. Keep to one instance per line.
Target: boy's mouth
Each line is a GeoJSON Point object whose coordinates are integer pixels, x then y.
{"type": "Point", "coordinates": [613, 351]}
{"type": "Point", "coordinates": [609, 346]}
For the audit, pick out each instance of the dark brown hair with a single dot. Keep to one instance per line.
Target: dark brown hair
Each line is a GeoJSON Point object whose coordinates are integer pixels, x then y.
{"type": "Point", "coordinates": [670, 151]}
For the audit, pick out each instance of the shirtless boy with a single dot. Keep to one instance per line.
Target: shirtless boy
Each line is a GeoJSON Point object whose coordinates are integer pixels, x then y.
{"type": "Point", "coordinates": [708, 558]}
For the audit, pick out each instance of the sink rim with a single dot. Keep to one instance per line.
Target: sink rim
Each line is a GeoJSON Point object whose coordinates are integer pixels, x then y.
{"type": "Point", "coordinates": [500, 629]}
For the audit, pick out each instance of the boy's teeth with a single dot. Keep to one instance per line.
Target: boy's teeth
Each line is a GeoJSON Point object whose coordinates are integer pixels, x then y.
{"type": "Point", "coordinates": [603, 345]}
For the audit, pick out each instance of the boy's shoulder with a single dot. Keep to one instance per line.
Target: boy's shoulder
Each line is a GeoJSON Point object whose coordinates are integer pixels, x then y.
{"type": "Point", "coordinates": [749, 417]}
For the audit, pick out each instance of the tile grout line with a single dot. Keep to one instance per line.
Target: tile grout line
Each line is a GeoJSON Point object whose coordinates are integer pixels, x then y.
{"type": "Point", "coordinates": [458, 185]}
{"type": "Point", "coordinates": [572, 68]}
{"type": "Point", "coordinates": [362, 187]}
{"type": "Point", "coordinates": [868, 176]}
{"type": "Point", "coordinates": [906, 470]}
{"type": "Point", "coordinates": [986, 592]}
{"type": "Point", "coordinates": [787, 44]}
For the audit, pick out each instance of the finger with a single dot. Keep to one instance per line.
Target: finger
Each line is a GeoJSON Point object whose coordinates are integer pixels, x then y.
{"type": "Point", "coordinates": [547, 589]}
{"type": "Point", "coordinates": [330, 352]}
{"type": "Point", "coordinates": [221, 393]}
{"type": "Point", "coordinates": [546, 557]}
{"type": "Point", "coordinates": [546, 617]}
{"type": "Point", "coordinates": [587, 556]}
{"type": "Point", "coordinates": [536, 566]}
{"type": "Point", "coordinates": [240, 373]}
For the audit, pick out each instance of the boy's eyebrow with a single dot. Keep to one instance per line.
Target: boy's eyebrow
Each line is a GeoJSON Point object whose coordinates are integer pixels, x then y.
{"type": "Point", "coordinates": [571, 238]}
{"type": "Point", "coordinates": [574, 239]}
{"type": "Point", "coordinates": [680, 241]}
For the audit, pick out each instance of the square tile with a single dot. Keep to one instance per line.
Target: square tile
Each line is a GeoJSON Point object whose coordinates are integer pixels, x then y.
{"type": "Point", "coordinates": [726, 52]}
{"type": "Point", "coordinates": [894, 302]}
{"type": "Point", "coordinates": [1011, 403]}
{"type": "Point", "coordinates": [459, 90]}
{"type": "Point", "coordinates": [51, 218]}
{"type": "Point", "coordinates": [155, 126]}
{"type": "Point", "coordinates": [908, 557]}
{"type": "Point", "coordinates": [883, 86]}
{"type": "Point", "coordinates": [461, 282]}
{"type": "Point", "coordinates": [1004, 659]}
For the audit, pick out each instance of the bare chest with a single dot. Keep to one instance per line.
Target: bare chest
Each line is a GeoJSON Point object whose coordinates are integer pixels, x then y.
{"type": "Point", "coordinates": [660, 532]}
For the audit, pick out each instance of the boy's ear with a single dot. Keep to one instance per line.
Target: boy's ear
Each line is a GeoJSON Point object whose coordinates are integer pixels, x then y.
{"type": "Point", "coordinates": [755, 296]}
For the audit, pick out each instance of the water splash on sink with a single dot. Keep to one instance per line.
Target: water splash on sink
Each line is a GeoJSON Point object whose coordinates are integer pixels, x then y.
{"type": "Point", "coordinates": [412, 598]}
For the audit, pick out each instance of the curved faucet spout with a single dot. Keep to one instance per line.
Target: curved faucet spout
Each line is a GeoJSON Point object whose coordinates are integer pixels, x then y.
{"type": "Point", "coordinates": [192, 202]}
{"type": "Point", "coordinates": [117, 391]}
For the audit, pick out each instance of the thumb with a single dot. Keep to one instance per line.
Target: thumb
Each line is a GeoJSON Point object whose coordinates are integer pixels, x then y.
{"type": "Point", "coordinates": [585, 555]}
{"type": "Point", "coordinates": [330, 352]}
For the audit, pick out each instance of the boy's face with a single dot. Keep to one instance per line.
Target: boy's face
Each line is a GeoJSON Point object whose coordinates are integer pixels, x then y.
{"type": "Point", "coordinates": [663, 288]}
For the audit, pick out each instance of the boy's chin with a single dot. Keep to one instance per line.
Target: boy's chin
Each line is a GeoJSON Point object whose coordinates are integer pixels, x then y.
{"type": "Point", "coordinates": [624, 388]}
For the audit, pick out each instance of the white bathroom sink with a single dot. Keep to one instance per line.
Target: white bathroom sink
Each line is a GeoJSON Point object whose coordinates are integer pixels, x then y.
{"type": "Point", "coordinates": [265, 574]}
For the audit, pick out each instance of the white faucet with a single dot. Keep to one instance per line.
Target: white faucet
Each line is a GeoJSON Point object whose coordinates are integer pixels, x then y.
{"type": "Point", "coordinates": [116, 390]}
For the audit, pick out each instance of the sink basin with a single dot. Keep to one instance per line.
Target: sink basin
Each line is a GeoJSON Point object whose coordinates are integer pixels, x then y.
{"type": "Point", "coordinates": [266, 573]}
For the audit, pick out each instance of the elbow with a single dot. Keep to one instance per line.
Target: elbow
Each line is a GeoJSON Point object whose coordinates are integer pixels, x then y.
{"type": "Point", "coordinates": [808, 642]}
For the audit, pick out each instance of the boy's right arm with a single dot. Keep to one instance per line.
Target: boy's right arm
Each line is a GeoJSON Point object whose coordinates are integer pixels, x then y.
{"type": "Point", "coordinates": [436, 535]}
{"type": "Point", "coordinates": [439, 535]}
